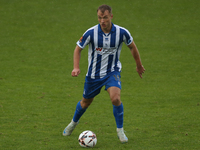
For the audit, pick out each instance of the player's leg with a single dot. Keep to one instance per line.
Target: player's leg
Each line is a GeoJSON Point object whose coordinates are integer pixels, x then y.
{"type": "Point", "coordinates": [113, 86]}
{"type": "Point", "coordinates": [91, 89]}
{"type": "Point", "coordinates": [118, 111]}
{"type": "Point", "coordinates": [80, 109]}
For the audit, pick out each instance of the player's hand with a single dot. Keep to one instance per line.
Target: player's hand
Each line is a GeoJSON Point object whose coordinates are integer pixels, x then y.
{"type": "Point", "coordinates": [75, 72]}
{"type": "Point", "coordinates": [140, 70]}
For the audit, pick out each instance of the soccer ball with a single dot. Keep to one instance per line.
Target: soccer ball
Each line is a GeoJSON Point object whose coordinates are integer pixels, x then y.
{"type": "Point", "coordinates": [87, 139]}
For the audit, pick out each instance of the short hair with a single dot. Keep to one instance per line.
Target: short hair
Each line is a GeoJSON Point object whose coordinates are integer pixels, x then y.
{"type": "Point", "coordinates": [103, 8]}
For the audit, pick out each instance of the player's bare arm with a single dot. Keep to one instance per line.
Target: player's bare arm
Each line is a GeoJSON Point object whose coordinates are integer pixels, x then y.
{"type": "Point", "coordinates": [134, 51]}
{"type": "Point", "coordinates": [77, 56]}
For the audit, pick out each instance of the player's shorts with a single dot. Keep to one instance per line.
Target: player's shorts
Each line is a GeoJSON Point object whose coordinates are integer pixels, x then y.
{"type": "Point", "coordinates": [92, 87]}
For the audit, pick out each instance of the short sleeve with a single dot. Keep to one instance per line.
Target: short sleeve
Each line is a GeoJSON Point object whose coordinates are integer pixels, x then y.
{"type": "Point", "coordinates": [127, 38]}
{"type": "Point", "coordinates": [84, 40]}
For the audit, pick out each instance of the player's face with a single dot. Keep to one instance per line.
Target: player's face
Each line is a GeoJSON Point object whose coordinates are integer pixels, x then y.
{"type": "Point", "coordinates": [105, 20]}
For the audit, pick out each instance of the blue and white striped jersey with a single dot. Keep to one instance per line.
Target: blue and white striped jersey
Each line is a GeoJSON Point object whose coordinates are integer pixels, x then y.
{"type": "Point", "coordinates": [104, 49]}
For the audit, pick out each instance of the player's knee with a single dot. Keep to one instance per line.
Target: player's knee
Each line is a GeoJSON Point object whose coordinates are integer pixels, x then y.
{"type": "Point", "coordinates": [116, 100]}
{"type": "Point", "coordinates": [85, 103]}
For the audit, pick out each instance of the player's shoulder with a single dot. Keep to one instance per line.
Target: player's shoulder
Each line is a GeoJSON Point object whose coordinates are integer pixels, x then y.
{"type": "Point", "coordinates": [91, 29]}
{"type": "Point", "coordinates": [123, 29]}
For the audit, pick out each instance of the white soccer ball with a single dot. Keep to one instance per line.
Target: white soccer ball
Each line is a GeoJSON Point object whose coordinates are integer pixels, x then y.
{"type": "Point", "coordinates": [87, 139]}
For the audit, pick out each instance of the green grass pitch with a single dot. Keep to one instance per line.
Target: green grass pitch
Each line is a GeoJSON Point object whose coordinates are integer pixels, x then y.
{"type": "Point", "coordinates": [38, 95]}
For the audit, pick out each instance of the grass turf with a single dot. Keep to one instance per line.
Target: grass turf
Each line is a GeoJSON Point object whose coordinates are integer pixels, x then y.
{"type": "Point", "coordinates": [38, 95]}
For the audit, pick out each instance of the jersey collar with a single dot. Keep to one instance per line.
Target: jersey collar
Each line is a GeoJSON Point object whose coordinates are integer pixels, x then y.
{"type": "Point", "coordinates": [112, 29]}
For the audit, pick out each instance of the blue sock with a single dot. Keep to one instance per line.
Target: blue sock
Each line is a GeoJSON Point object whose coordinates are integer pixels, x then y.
{"type": "Point", "coordinates": [118, 112]}
{"type": "Point", "coordinates": [79, 112]}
